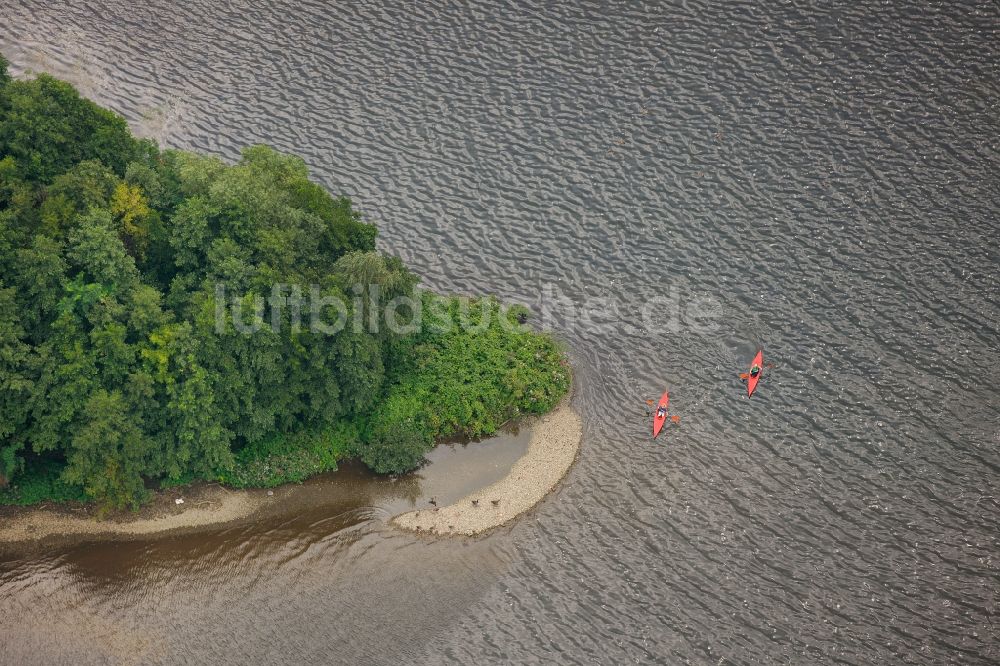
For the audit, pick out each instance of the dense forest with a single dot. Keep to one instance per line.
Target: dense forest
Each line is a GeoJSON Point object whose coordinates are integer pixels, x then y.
{"type": "Point", "coordinates": [115, 374]}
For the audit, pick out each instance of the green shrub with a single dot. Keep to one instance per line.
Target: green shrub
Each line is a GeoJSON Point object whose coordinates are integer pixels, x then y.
{"type": "Point", "coordinates": [291, 458]}
{"type": "Point", "coordinates": [398, 437]}
{"type": "Point", "coordinates": [182, 480]}
{"type": "Point", "coordinates": [40, 482]}
{"type": "Point", "coordinates": [467, 374]}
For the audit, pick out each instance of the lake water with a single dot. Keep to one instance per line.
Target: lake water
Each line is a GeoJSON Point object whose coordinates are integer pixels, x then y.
{"type": "Point", "coordinates": [673, 185]}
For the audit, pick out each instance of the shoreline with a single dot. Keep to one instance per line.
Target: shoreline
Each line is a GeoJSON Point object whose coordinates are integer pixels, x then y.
{"type": "Point", "coordinates": [161, 515]}
{"type": "Point", "coordinates": [555, 443]}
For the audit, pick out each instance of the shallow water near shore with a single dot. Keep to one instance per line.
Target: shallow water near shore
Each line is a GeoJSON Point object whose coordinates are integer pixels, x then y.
{"type": "Point", "coordinates": [352, 493]}
{"type": "Point", "coordinates": [293, 536]}
{"type": "Point", "coordinates": [820, 180]}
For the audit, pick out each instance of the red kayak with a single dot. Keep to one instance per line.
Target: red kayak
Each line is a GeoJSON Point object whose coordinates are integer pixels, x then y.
{"type": "Point", "coordinates": [659, 420]}
{"type": "Point", "coordinates": [752, 379]}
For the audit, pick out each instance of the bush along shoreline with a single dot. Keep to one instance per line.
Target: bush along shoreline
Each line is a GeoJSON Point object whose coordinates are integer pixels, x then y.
{"type": "Point", "coordinates": [166, 317]}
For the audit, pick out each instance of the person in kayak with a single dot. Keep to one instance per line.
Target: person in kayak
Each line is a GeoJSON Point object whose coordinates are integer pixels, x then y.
{"type": "Point", "coordinates": [661, 412]}
{"type": "Point", "coordinates": [755, 370]}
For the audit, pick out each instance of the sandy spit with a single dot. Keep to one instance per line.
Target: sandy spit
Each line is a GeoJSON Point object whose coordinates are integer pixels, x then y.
{"type": "Point", "coordinates": [555, 441]}
{"type": "Point", "coordinates": [205, 505]}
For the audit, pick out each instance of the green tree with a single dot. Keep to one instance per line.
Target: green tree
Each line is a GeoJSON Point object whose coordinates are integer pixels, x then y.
{"type": "Point", "coordinates": [38, 272]}
{"type": "Point", "coordinates": [16, 385]}
{"type": "Point", "coordinates": [130, 208]}
{"type": "Point", "coordinates": [359, 369]}
{"type": "Point", "coordinates": [399, 436]}
{"type": "Point", "coordinates": [115, 369]}
{"type": "Point", "coordinates": [109, 452]}
{"type": "Point", "coordinates": [191, 229]}
{"type": "Point", "coordinates": [371, 268]}
{"type": "Point", "coordinates": [86, 185]}
{"type": "Point", "coordinates": [191, 438]}
{"type": "Point", "coordinates": [47, 128]}
{"type": "Point", "coordinates": [96, 250]}
{"type": "Point", "coordinates": [4, 75]}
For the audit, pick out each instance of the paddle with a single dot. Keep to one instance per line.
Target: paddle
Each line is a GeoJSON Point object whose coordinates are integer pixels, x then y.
{"type": "Point", "coordinates": [746, 375]}
{"type": "Point", "coordinates": [674, 418]}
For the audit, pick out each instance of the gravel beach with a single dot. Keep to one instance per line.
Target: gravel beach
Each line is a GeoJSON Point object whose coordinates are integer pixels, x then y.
{"type": "Point", "coordinates": [555, 441]}
{"type": "Point", "coordinates": [206, 505]}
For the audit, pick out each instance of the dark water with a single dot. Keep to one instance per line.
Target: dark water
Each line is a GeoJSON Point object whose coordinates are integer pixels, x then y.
{"type": "Point", "coordinates": [817, 178]}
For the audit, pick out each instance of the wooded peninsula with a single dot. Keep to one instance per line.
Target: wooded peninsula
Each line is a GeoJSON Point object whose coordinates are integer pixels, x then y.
{"type": "Point", "coordinates": [119, 375]}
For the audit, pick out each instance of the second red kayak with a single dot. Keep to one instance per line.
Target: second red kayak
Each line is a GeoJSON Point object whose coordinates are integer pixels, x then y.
{"type": "Point", "coordinates": [660, 416]}
{"type": "Point", "coordinates": [754, 377]}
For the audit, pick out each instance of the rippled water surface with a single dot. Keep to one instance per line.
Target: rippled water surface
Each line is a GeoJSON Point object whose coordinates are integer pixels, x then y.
{"type": "Point", "coordinates": [675, 184]}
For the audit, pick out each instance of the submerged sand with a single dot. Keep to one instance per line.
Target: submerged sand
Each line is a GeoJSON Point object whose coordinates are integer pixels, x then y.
{"type": "Point", "coordinates": [206, 505]}
{"type": "Point", "coordinates": [555, 441]}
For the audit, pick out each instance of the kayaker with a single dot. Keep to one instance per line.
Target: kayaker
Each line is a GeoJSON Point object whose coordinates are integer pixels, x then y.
{"type": "Point", "coordinates": [755, 370]}
{"type": "Point", "coordinates": [661, 412]}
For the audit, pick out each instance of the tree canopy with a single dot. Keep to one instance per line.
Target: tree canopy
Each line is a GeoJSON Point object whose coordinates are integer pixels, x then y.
{"type": "Point", "coordinates": [115, 368]}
